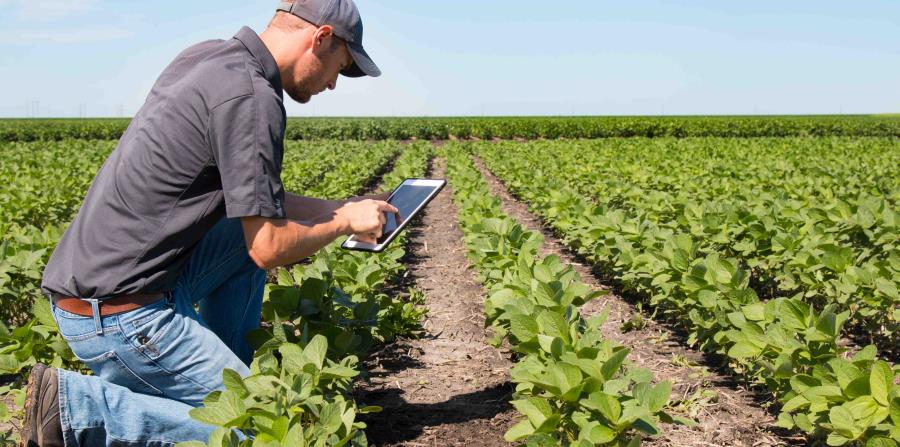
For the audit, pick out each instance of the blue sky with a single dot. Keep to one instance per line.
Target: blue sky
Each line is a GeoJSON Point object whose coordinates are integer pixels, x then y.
{"type": "Point", "coordinates": [462, 57]}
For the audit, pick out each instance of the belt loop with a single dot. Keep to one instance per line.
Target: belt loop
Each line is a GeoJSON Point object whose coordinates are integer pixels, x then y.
{"type": "Point", "coordinates": [95, 310]}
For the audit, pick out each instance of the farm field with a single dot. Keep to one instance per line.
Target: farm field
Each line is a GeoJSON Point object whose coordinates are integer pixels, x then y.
{"type": "Point", "coordinates": [666, 281]}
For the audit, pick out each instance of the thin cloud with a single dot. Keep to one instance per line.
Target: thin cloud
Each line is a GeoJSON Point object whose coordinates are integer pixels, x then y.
{"type": "Point", "coordinates": [46, 10]}
{"type": "Point", "coordinates": [64, 37]}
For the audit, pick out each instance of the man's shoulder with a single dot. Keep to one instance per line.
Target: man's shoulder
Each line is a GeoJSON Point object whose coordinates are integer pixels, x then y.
{"type": "Point", "coordinates": [221, 70]}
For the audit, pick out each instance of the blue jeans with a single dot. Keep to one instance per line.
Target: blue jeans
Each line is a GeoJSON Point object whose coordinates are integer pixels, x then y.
{"type": "Point", "coordinates": [155, 363]}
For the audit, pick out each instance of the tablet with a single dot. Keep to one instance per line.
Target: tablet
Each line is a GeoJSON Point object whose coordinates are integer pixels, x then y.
{"type": "Point", "coordinates": [410, 197]}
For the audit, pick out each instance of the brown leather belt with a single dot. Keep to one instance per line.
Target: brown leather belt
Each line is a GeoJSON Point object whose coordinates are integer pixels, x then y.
{"type": "Point", "coordinates": [109, 306]}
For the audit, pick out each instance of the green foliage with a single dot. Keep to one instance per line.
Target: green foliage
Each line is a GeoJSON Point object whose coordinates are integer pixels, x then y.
{"type": "Point", "coordinates": [812, 217]}
{"type": "Point", "coordinates": [572, 386]}
{"type": "Point", "coordinates": [443, 128]}
{"type": "Point", "coordinates": [701, 251]}
{"type": "Point", "coordinates": [294, 396]}
{"type": "Point", "coordinates": [36, 341]}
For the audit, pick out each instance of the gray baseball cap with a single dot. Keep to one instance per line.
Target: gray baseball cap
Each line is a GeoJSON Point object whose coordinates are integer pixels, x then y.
{"type": "Point", "coordinates": [343, 17]}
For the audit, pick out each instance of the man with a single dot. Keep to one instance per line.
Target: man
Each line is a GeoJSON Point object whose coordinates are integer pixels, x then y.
{"type": "Point", "coordinates": [190, 210]}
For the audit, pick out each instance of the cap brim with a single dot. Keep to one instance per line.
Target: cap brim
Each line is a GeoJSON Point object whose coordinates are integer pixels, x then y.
{"type": "Point", "coordinates": [362, 63]}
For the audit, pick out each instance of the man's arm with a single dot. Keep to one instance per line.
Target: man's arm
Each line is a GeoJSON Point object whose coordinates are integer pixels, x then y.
{"type": "Point", "coordinates": [309, 208]}
{"type": "Point", "coordinates": [275, 242]}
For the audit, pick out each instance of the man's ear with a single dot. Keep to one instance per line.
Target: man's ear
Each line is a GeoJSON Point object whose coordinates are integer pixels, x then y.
{"type": "Point", "coordinates": [322, 36]}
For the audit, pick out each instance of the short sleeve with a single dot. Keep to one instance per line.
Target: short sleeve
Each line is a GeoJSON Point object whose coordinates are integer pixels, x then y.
{"type": "Point", "coordinates": [247, 139]}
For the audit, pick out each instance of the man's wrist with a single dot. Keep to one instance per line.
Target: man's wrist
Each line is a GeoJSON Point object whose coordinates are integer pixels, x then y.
{"type": "Point", "coordinates": [341, 225]}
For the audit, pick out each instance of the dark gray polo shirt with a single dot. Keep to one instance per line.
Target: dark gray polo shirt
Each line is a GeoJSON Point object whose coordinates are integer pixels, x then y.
{"type": "Point", "coordinates": [207, 143]}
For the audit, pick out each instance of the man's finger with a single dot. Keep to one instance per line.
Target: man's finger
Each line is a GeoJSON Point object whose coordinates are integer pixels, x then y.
{"type": "Point", "coordinates": [387, 207]}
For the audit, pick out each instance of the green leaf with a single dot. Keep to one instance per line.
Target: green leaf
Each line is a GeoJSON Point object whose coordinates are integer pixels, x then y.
{"type": "Point", "coordinates": [843, 422]}
{"type": "Point", "coordinates": [294, 436]}
{"type": "Point", "coordinates": [659, 396]}
{"type": "Point", "coordinates": [707, 298]}
{"type": "Point", "coordinates": [536, 409]}
{"type": "Point", "coordinates": [845, 371]}
{"type": "Point", "coordinates": [597, 433]}
{"type": "Point", "coordinates": [315, 351]}
{"type": "Point", "coordinates": [798, 401]}
{"type": "Point", "coordinates": [754, 312]}
{"type": "Point", "coordinates": [523, 327]}
{"type": "Point", "coordinates": [612, 365]}
{"type": "Point", "coordinates": [226, 409]}
{"type": "Point", "coordinates": [339, 371]}
{"type": "Point", "coordinates": [331, 417]}
{"type": "Point", "coordinates": [518, 431]}
{"type": "Point", "coordinates": [836, 440]}
{"type": "Point", "coordinates": [554, 325]}
{"type": "Point", "coordinates": [223, 437]}
{"type": "Point", "coordinates": [880, 381]}
{"type": "Point", "coordinates": [291, 357]}
{"type": "Point", "coordinates": [795, 314]}
{"type": "Point", "coordinates": [604, 403]}
{"type": "Point", "coordinates": [565, 376]}
{"type": "Point", "coordinates": [879, 441]}
{"type": "Point", "coordinates": [551, 345]}
{"type": "Point", "coordinates": [718, 269]}
{"type": "Point", "coordinates": [743, 349]}
{"type": "Point", "coordinates": [895, 410]}
{"type": "Point", "coordinates": [234, 383]}
{"type": "Point", "coordinates": [285, 278]}
{"type": "Point", "coordinates": [541, 440]}
{"type": "Point", "coordinates": [42, 312]}
{"type": "Point", "coordinates": [837, 258]}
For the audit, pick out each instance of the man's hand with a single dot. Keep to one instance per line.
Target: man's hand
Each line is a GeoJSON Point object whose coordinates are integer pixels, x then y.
{"type": "Point", "coordinates": [365, 218]}
{"type": "Point", "coordinates": [275, 242]}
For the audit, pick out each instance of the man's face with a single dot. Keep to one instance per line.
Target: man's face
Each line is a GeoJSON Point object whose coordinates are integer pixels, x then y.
{"type": "Point", "coordinates": [318, 68]}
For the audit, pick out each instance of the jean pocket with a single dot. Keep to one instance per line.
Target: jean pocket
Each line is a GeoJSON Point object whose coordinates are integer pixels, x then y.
{"type": "Point", "coordinates": [146, 334]}
{"type": "Point", "coordinates": [110, 367]}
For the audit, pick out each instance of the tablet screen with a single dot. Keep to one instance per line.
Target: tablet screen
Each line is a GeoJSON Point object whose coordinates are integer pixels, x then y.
{"type": "Point", "coordinates": [406, 199]}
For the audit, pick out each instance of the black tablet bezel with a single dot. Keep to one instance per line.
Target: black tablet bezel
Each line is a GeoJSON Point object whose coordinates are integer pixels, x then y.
{"type": "Point", "coordinates": [378, 248]}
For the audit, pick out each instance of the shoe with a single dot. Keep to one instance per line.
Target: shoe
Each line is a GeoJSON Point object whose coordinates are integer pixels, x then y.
{"type": "Point", "coordinates": [42, 427]}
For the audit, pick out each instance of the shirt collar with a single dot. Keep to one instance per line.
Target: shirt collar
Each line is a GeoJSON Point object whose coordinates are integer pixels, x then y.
{"type": "Point", "coordinates": [258, 50]}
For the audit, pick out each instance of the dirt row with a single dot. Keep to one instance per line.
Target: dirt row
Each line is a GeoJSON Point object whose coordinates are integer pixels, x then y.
{"type": "Point", "coordinates": [452, 388]}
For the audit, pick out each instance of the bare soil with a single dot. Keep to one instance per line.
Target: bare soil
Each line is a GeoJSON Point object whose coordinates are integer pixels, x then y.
{"type": "Point", "coordinates": [450, 388]}
{"type": "Point", "coordinates": [728, 413]}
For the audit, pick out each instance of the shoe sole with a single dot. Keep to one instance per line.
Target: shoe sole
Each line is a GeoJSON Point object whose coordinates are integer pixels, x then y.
{"type": "Point", "coordinates": [32, 396]}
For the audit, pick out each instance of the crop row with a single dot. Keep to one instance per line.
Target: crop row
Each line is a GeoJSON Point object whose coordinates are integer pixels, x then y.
{"type": "Point", "coordinates": [783, 343]}
{"type": "Point", "coordinates": [813, 218]}
{"type": "Point", "coordinates": [573, 387]}
{"type": "Point", "coordinates": [501, 127]}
